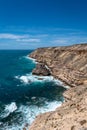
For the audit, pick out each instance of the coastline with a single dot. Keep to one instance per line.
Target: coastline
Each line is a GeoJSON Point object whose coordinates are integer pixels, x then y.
{"type": "Point", "coordinates": [58, 81]}
{"type": "Point", "coordinates": [66, 63]}
{"type": "Point", "coordinates": [74, 96]}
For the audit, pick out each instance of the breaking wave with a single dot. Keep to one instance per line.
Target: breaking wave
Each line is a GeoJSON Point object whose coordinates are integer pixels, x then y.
{"type": "Point", "coordinates": [27, 113]}
{"type": "Point", "coordinates": [10, 108]}
{"type": "Point", "coordinates": [23, 96]}
{"type": "Point", "coordinates": [29, 78]}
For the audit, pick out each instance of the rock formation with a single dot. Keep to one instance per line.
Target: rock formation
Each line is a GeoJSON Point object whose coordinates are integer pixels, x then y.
{"type": "Point", "coordinates": [72, 115]}
{"type": "Point", "coordinates": [68, 64]}
{"type": "Point", "coordinates": [41, 70]}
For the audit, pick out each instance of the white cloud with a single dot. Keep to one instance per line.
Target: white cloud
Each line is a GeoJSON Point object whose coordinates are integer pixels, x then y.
{"type": "Point", "coordinates": [18, 38]}
{"type": "Point", "coordinates": [60, 41]}
{"type": "Point", "coordinates": [29, 40]}
{"type": "Point", "coordinates": [69, 40]}
{"type": "Point", "coordinates": [11, 36]}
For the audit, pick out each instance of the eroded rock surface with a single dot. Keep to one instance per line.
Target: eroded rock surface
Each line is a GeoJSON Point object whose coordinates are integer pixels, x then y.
{"type": "Point", "coordinates": [68, 64]}
{"type": "Point", "coordinates": [72, 115]}
{"type": "Point", "coordinates": [41, 70]}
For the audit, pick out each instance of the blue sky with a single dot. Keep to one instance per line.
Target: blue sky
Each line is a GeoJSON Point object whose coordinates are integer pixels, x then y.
{"type": "Point", "coordinates": [29, 24]}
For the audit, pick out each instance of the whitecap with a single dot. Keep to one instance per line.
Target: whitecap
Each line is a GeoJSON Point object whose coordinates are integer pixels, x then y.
{"type": "Point", "coordinates": [30, 112]}
{"type": "Point", "coordinates": [29, 78]}
{"type": "Point", "coordinates": [10, 108]}
{"type": "Point", "coordinates": [1, 123]}
{"type": "Point", "coordinates": [52, 105]}
{"type": "Point", "coordinates": [33, 98]}
{"type": "Point", "coordinates": [24, 79]}
{"type": "Point", "coordinates": [32, 59]}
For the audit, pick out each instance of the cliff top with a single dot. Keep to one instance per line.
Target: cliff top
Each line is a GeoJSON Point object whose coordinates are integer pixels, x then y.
{"type": "Point", "coordinates": [82, 46]}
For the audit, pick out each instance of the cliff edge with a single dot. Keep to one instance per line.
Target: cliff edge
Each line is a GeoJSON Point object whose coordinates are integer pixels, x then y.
{"type": "Point", "coordinates": [69, 64]}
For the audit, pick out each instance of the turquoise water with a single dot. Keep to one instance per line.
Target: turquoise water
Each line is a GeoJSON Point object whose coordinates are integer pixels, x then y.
{"type": "Point", "coordinates": [22, 95]}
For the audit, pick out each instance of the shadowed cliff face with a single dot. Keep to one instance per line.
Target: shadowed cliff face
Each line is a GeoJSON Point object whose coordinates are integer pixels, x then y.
{"type": "Point", "coordinates": [68, 64]}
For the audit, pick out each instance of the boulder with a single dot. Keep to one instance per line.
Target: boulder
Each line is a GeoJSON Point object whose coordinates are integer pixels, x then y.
{"type": "Point", "coordinates": [41, 70]}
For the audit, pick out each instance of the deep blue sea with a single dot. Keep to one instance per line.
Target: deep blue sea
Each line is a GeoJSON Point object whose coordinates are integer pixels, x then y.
{"type": "Point", "coordinates": [23, 95]}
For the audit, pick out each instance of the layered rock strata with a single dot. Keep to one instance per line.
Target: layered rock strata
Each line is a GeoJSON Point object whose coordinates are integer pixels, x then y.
{"type": "Point", "coordinates": [68, 64]}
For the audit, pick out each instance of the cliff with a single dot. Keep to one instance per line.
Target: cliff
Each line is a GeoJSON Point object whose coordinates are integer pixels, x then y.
{"type": "Point", "coordinates": [68, 64]}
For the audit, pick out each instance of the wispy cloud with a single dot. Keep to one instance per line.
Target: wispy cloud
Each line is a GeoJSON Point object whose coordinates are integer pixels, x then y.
{"type": "Point", "coordinates": [11, 36]}
{"type": "Point", "coordinates": [60, 41]}
{"type": "Point", "coordinates": [29, 40]}
{"type": "Point", "coordinates": [38, 30]}
{"type": "Point", "coordinates": [41, 37]}
{"type": "Point", "coordinates": [18, 38]}
{"type": "Point", "coordinates": [68, 40]}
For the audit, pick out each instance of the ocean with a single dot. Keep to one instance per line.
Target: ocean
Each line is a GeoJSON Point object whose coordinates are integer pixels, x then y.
{"type": "Point", "coordinates": [23, 96]}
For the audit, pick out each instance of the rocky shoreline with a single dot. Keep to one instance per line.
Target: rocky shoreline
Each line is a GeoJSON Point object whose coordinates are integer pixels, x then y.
{"type": "Point", "coordinates": [41, 70]}
{"type": "Point", "coordinates": [68, 64]}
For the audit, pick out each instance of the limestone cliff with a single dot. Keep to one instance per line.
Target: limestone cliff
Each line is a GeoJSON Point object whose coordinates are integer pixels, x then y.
{"type": "Point", "coordinates": [68, 64]}
{"type": "Point", "coordinates": [72, 115]}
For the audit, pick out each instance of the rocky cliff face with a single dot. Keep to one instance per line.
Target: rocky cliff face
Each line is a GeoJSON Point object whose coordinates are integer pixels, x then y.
{"type": "Point", "coordinates": [68, 64]}
{"type": "Point", "coordinates": [41, 70]}
{"type": "Point", "coordinates": [72, 115]}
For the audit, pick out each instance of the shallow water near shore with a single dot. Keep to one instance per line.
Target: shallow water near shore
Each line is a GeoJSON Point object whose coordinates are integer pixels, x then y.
{"type": "Point", "coordinates": [23, 95]}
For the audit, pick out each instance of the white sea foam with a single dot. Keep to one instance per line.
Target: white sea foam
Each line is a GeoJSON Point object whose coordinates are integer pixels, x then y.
{"type": "Point", "coordinates": [30, 112]}
{"type": "Point", "coordinates": [29, 78]}
{"type": "Point", "coordinates": [24, 79]}
{"type": "Point", "coordinates": [10, 108]}
{"type": "Point", "coordinates": [1, 123]}
{"type": "Point", "coordinates": [32, 78]}
{"type": "Point", "coordinates": [32, 59]}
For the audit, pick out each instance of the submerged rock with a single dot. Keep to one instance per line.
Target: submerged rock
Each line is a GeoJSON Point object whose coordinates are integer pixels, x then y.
{"type": "Point", "coordinates": [41, 70]}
